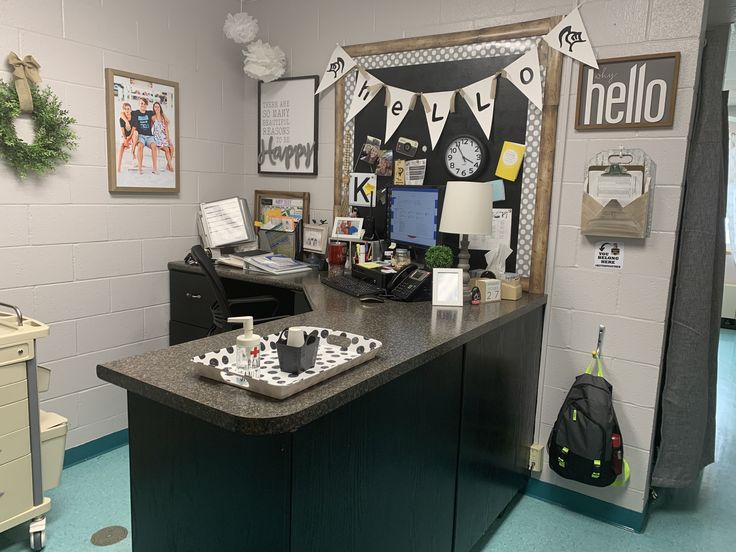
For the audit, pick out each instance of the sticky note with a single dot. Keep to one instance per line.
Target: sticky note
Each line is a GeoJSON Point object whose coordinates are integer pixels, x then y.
{"type": "Point", "coordinates": [499, 192]}
{"type": "Point", "coordinates": [509, 162]}
{"type": "Point", "coordinates": [369, 265]}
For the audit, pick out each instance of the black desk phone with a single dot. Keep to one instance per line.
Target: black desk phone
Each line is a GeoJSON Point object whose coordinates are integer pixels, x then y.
{"type": "Point", "coordinates": [408, 283]}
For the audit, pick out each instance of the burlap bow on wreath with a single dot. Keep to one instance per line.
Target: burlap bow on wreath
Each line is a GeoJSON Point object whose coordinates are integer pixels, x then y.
{"type": "Point", "coordinates": [24, 70]}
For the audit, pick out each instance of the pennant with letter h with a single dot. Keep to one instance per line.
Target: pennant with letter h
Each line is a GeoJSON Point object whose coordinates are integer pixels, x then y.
{"type": "Point", "coordinates": [398, 103]}
{"type": "Point", "coordinates": [340, 65]}
{"type": "Point", "coordinates": [480, 97]}
{"type": "Point", "coordinates": [571, 38]}
{"type": "Point", "coordinates": [437, 105]}
{"type": "Point", "coordinates": [366, 88]}
{"type": "Point", "coordinates": [524, 74]}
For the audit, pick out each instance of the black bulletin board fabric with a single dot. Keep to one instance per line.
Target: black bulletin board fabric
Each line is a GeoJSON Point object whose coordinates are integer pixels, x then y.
{"type": "Point", "coordinates": [509, 124]}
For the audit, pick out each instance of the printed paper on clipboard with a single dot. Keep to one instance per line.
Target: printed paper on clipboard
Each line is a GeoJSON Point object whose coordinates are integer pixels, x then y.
{"type": "Point", "coordinates": [624, 188]}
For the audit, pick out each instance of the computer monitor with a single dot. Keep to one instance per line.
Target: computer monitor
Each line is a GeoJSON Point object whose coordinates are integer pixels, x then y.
{"type": "Point", "coordinates": [414, 215]}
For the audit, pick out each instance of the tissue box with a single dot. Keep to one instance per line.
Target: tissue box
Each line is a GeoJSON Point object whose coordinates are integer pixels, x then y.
{"type": "Point", "coordinates": [297, 359]}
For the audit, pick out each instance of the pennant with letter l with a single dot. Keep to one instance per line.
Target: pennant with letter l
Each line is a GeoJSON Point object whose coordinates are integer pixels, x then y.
{"type": "Point", "coordinates": [480, 97]}
{"type": "Point", "coordinates": [571, 38]}
{"type": "Point", "coordinates": [339, 65]}
{"type": "Point", "coordinates": [398, 104]}
{"type": "Point", "coordinates": [524, 73]}
{"type": "Point", "coordinates": [437, 105]}
{"type": "Point", "coordinates": [366, 88]}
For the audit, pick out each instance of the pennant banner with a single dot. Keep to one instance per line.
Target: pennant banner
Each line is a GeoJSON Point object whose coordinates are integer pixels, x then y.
{"type": "Point", "coordinates": [481, 97]}
{"type": "Point", "coordinates": [340, 65]}
{"type": "Point", "coordinates": [437, 106]}
{"type": "Point", "coordinates": [366, 88]}
{"type": "Point", "coordinates": [571, 38]}
{"type": "Point", "coordinates": [524, 73]}
{"type": "Point", "coordinates": [398, 103]}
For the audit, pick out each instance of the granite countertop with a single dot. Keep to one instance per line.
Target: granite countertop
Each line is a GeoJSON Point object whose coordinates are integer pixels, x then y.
{"type": "Point", "coordinates": [412, 334]}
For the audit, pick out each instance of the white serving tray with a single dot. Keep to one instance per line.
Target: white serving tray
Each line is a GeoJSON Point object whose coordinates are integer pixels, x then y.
{"type": "Point", "coordinates": [343, 351]}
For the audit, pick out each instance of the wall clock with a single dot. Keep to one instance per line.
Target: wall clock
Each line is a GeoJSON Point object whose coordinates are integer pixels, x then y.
{"type": "Point", "coordinates": [465, 157]}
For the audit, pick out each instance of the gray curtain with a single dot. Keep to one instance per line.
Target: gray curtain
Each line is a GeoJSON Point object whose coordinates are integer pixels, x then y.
{"type": "Point", "coordinates": [687, 413]}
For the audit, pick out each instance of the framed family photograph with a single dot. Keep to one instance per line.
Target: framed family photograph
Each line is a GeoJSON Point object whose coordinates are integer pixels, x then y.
{"type": "Point", "coordinates": [142, 133]}
{"type": "Point", "coordinates": [347, 228]}
{"type": "Point", "coordinates": [288, 120]}
{"type": "Point", "coordinates": [284, 205]}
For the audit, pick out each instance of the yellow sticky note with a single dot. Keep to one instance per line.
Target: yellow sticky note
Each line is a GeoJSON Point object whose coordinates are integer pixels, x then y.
{"type": "Point", "coordinates": [369, 265]}
{"type": "Point", "coordinates": [509, 162]}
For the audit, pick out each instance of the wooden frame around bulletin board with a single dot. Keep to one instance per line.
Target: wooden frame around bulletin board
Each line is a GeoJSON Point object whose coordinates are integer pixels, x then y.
{"type": "Point", "coordinates": [550, 59]}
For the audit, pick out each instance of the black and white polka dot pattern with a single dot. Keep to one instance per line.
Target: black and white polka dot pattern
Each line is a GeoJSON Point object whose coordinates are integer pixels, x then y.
{"type": "Point", "coordinates": [533, 122]}
{"type": "Point", "coordinates": [271, 381]}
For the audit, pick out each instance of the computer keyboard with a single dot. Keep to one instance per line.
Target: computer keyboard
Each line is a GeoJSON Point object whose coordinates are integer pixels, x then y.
{"type": "Point", "coordinates": [352, 286]}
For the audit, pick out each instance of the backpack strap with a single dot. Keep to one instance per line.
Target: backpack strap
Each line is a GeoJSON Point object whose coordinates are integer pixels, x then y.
{"type": "Point", "coordinates": [622, 481]}
{"type": "Point", "coordinates": [599, 365]}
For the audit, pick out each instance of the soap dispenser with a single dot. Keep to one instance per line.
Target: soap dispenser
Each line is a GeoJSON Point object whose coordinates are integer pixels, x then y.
{"type": "Point", "coordinates": [247, 347]}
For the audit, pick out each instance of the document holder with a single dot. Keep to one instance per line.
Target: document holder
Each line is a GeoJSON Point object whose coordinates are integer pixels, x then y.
{"type": "Point", "coordinates": [618, 197]}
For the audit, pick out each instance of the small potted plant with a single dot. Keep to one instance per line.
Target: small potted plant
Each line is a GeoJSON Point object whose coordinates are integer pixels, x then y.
{"type": "Point", "coordinates": [439, 256]}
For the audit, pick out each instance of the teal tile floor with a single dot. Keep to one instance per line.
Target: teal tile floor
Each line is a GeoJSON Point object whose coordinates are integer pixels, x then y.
{"type": "Point", "coordinates": [95, 494]}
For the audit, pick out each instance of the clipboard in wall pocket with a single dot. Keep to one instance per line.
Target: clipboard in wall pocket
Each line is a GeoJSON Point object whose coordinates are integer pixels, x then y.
{"type": "Point", "coordinates": [616, 201]}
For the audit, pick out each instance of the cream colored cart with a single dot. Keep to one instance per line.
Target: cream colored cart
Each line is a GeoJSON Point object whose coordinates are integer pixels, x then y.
{"type": "Point", "coordinates": [26, 433]}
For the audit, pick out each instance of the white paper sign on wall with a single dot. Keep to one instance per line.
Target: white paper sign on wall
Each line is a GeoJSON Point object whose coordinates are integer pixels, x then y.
{"type": "Point", "coordinates": [363, 189]}
{"type": "Point", "coordinates": [609, 255]}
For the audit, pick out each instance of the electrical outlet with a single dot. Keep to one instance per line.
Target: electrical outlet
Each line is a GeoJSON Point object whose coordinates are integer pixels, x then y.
{"type": "Point", "coordinates": [536, 457]}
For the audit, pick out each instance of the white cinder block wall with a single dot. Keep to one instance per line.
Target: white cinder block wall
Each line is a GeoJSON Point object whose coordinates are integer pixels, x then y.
{"type": "Point", "coordinates": [633, 302]}
{"type": "Point", "coordinates": [91, 264]}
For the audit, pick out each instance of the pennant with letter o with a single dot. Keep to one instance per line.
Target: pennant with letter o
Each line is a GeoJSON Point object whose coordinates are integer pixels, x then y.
{"type": "Point", "coordinates": [339, 65]}
{"type": "Point", "coordinates": [525, 74]}
{"type": "Point", "coordinates": [366, 88]}
{"type": "Point", "coordinates": [437, 106]}
{"type": "Point", "coordinates": [571, 38]}
{"type": "Point", "coordinates": [398, 103]}
{"type": "Point", "coordinates": [481, 97]}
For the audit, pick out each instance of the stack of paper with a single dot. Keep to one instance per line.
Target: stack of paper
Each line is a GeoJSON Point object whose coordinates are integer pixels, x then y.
{"type": "Point", "coordinates": [274, 263]}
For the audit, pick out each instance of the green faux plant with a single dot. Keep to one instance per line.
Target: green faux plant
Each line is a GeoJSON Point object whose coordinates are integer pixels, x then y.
{"type": "Point", "coordinates": [439, 256]}
{"type": "Point", "coordinates": [54, 139]}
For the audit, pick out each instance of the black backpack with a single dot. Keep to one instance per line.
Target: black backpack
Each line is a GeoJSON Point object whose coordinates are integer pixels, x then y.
{"type": "Point", "coordinates": [585, 443]}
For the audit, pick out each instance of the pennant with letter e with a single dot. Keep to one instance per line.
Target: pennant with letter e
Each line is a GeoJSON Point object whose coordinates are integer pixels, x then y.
{"type": "Point", "coordinates": [437, 106]}
{"type": "Point", "coordinates": [480, 97]}
{"type": "Point", "coordinates": [524, 74]}
{"type": "Point", "coordinates": [340, 65]}
{"type": "Point", "coordinates": [366, 88]}
{"type": "Point", "coordinates": [398, 103]}
{"type": "Point", "coordinates": [571, 38]}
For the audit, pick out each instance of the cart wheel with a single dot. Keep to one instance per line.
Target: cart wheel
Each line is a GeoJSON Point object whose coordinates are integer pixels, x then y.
{"type": "Point", "coordinates": [38, 540]}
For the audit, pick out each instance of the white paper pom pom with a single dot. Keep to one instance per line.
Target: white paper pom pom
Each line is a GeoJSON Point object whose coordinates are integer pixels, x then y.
{"type": "Point", "coordinates": [263, 61]}
{"type": "Point", "coordinates": [241, 27]}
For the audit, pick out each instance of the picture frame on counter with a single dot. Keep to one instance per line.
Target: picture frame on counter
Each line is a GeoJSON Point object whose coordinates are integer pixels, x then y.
{"type": "Point", "coordinates": [315, 238]}
{"type": "Point", "coordinates": [447, 287]}
{"type": "Point", "coordinates": [288, 126]}
{"type": "Point", "coordinates": [347, 228]}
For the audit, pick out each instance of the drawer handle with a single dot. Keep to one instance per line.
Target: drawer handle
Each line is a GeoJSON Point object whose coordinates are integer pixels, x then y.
{"type": "Point", "coordinates": [193, 295]}
{"type": "Point", "coordinates": [21, 352]}
{"type": "Point", "coordinates": [2, 494]}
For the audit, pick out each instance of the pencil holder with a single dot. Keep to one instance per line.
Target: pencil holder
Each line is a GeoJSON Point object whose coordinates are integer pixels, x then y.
{"type": "Point", "coordinates": [297, 359]}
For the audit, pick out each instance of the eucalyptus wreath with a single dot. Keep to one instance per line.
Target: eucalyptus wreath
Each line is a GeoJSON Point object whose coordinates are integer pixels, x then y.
{"type": "Point", "coordinates": [54, 139]}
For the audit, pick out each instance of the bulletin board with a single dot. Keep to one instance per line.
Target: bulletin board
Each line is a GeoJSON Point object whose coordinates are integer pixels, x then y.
{"type": "Point", "coordinates": [441, 62]}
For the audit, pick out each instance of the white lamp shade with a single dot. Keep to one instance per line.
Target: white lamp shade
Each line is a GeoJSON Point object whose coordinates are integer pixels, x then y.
{"type": "Point", "coordinates": [468, 208]}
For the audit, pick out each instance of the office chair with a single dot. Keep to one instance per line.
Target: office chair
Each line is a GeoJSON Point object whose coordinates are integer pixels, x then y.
{"type": "Point", "coordinates": [222, 308]}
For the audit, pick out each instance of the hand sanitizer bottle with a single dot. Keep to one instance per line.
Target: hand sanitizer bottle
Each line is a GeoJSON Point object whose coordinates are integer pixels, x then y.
{"type": "Point", "coordinates": [247, 347]}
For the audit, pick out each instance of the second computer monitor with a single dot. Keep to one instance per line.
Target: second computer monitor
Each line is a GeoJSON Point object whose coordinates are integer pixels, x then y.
{"type": "Point", "coordinates": [413, 215]}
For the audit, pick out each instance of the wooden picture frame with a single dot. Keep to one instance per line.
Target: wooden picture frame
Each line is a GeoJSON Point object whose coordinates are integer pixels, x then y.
{"type": "Point", "coordinates": [291, 204]}
{"type": "Point", "coordinates": [315, 238]}
{"type": "Point", "coordinates": [551, 61]}
{"type": "Point", "coordinates": [666, 122]}
{"type": "Point", "coordinates": [158, 145]}
{"type": "Point", "coordinates": [288, 126]}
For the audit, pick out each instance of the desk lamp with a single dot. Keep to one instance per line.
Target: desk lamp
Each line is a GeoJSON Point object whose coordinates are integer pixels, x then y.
{"type": "Point", "coordinates": [467, 209]}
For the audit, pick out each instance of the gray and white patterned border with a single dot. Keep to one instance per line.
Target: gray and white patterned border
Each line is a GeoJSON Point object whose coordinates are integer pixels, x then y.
{"type": "Point", "coordinates": [533, 126]}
